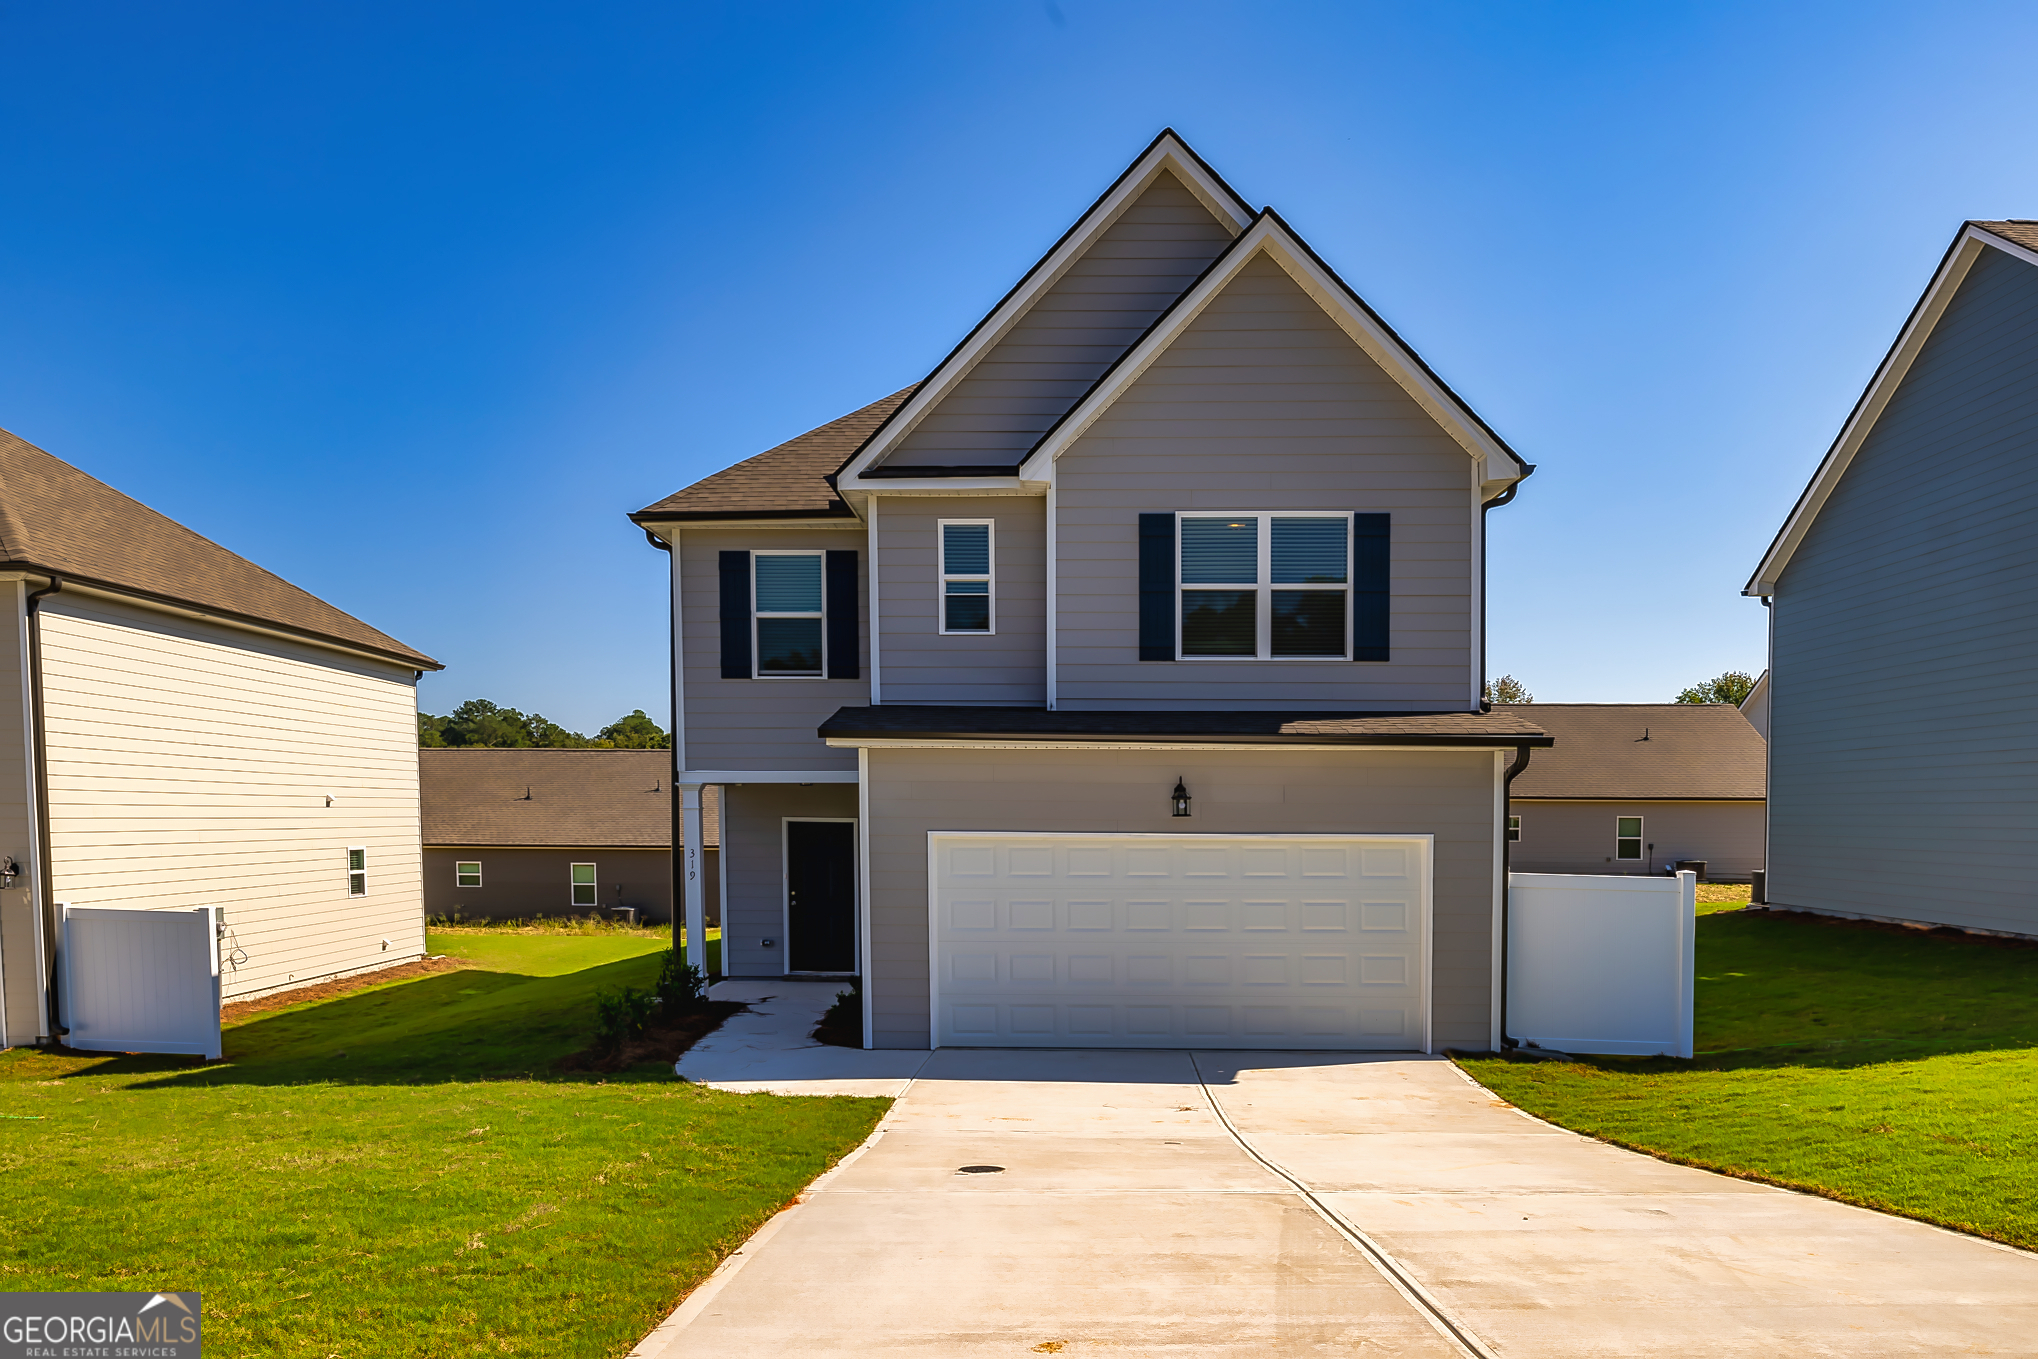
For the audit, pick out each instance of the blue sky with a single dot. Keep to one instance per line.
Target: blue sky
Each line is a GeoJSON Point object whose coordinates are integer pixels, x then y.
{"type": "Point", "coordinates": [412, 304]}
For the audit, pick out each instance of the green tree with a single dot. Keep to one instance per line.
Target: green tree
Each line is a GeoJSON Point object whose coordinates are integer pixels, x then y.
{"type": "Point", "coordinates": [478, 722]}
{"type": "Point", "coordinates": [1508, 689]}
{"type": "Point", "coordinates": [1731, 687]}
{"type": "Point", "coordinates": [431, 731]}
{"type": "Point", "coordinates": [635, 732]}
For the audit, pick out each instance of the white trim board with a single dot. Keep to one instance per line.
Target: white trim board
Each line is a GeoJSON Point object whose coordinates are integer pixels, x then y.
{"type": "Point", "coordinates": [698, 776]}
{"type": "Point", "coordinates": [1895, 366]}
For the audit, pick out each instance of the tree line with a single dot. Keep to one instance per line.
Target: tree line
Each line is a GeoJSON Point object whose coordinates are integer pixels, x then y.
{"type": "Point", "coordinates": [477, 722]}
{"type": "Point", "coordinates": [1732, 687]}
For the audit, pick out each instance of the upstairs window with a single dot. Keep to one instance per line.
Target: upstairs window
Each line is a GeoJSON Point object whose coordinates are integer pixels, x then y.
{"type": "Point", "coordinates": [1627, 837]}
{"type": "Point", "coordinates": [1265, 586]}
{"type": "Point", "coordinates": [583, 884]}
{"type": "Point", "coordinates": [357, 871]}
{"type": "Point", "coordinates": [966, 594]}
{"type": "Point", "coordinates": [787, 614]}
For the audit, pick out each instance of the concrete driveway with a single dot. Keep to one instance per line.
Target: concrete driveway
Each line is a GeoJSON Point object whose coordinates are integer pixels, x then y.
{"type": "Point", "coordinates": [1165, 1203]}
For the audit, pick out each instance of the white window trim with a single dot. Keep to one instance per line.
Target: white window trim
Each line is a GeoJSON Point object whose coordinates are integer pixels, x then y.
{"type": "Point", "coordinates": [756, 651]}
{"type": "Point", "coordinates": [459, 872]}
{"type": "Point", "coordinates": [572, 886]}
{"type": "Point", "coordinates": [1263, 619]}
{"type": "Point", "coordinates": [942, 577]}
{"type": "Point", "coordinates": [1640, 837]}
{"type": "Point", "coordinates": [361, 850]}
{"type": "Point", "coordinates": [1514, 829]}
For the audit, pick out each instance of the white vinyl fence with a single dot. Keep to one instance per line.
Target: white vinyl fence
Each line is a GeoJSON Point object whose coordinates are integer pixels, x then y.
{"type": "Point", "coordinates": [140, 981]}
{"type": "Point", "coordinates": [1601, 964]}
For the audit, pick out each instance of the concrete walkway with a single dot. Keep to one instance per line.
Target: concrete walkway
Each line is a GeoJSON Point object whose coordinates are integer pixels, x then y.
{"type": "Point", "coordinates": [1152, 1203]}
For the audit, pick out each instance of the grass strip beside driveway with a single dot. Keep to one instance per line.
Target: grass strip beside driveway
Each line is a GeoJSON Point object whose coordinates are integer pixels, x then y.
{"type": "Point", "coordinates": [435, 1190]}
{"type": "Point", "coordinates": [1895, 1070]}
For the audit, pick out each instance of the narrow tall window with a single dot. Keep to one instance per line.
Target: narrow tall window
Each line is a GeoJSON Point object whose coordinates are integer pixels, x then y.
{"type": "Point", "coordinates": [966, 576]}
{"type": "Point", "coordinates": [357, 872]}
{"type": "Point", "coordinates": [1514, 828]}
{"type": "Point", "coordinates": [1266, 586]}
{"type": "Point", "coordinates": [788, 613]}
{"type": "Point", "coordinates": [1627, 837]}
{"type": "Point", "coordinates": [583, 884]}
{"type": "Point", "coordinates": [467, 875]}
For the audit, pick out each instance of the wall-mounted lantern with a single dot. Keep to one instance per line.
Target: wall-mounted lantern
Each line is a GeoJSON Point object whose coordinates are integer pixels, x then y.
{"type": "Point", "coordinates": [1181, 798]}
{"type": "Point", "coordinates": [9, 871]}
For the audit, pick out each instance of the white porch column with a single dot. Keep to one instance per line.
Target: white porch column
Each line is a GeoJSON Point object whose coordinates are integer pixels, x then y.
{"type": "Point", "coordinates": [693, 889]}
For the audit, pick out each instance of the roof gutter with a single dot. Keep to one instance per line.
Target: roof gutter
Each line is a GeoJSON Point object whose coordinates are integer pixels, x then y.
{"type": "Point", "coordinates": [45, 886]}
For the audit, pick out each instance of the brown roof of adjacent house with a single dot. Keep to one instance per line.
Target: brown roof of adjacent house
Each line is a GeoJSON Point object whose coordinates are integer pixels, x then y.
{"type": "Point", "coordinates": [1657, 751]}
{"type": "Point", "coordinates": [56, 520]}
{"type": "Point", "coordinates": [936, 723]}
{"type": "Point", "coordinates": [2023, 232]}
{"type": "Point", "coordinates": [595, 799]}
{"type": "Point", "coordinates": [790, 481]}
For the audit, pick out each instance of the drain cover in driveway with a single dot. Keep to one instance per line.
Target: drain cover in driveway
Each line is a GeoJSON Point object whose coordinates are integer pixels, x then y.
{"type": "Point", "coordinates": [980, 1170]}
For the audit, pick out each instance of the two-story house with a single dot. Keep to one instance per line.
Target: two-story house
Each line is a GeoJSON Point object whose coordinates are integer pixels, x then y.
{"type": "Point", "coordinates": [1117, 685]}
{"type": "Point", "coordinates": [1903, 621]}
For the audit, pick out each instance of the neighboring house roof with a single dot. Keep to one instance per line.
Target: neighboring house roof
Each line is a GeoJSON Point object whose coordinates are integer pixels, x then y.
{"type": "Point", "coordinates": [1657, 752]}
{"type": "Point", "coordinates": [593, 799]}
{"type": "Point", "coordinates": [791, 481]}
{"type": "Point", "coordinates": [910, 722]}
{"type": "Point", "coordinates": [2016, 238]}
{"type": "Point", "coordinates": [55, 520]}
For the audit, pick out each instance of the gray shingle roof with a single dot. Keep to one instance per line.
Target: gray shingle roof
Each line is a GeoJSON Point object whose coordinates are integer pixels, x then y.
{"type": "Point", "coordinates": [1694, 751]}
{"type": "Point", "coordinates": [913, 722]}
{"type": "Point", "coordinates": [784, 482]}
{"type": "Point", "coordinates": [599, 799]}
{"type": "Point", "coordinates": [2024, 233]}
{"type": "Point", "coordinates": [54, 518]}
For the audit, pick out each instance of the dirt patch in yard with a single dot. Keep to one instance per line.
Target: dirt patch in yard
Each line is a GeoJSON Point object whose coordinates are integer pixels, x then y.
{"type": "Point", "coordinates": [235, 1011]}
{"type": "Point", "coordinates": [664, 1041]}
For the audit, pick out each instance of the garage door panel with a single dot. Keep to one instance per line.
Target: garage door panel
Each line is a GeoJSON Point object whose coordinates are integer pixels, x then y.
{"type": "Point", "coordinates": [1205, 941]}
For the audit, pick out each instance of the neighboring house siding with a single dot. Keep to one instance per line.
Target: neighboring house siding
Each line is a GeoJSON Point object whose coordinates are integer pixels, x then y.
{"type": "Point", "coordinates": [521, 883]}
{"type": "Point", "coordinates": [920, 665]}
{"type": "Point", "coordinates": [753, 838]}
{"type": "Point", "coordinates": [189, 765]}
{"type": "Point", "coordinates": [758, 723]}
{"type": "Point", "coordinates": [1449, 794]}
{"type": "Point", "coordinates": [19, 959]}
{"type": "Point", "coordinates": [1577, 837]}
{"type": "Point", "coordinates": [1264, 404]}
{"type": "Point", "coordinates": [1902, 735]}
{"type": "Point", "coordinates": [1072, 333]}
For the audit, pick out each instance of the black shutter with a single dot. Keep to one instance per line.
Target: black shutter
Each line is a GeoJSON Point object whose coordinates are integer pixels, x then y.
{"type": "Point", "coordinates": [1370, 541]}
{"type": "Point", "coordinates": [1156, 587]}
{"type": "Point", "coordinates": [845, 633]}
{"type": "Point", "coordinates": [736, 615]}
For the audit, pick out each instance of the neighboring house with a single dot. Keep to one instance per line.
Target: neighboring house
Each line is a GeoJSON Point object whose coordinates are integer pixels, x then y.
{"type": "Point", "coordinates": [1755, 707]}
{"type": "Point", "coordinates": [1903, 774]}
{"type": "Point", "coordinates": [180, 728]}
{"type": "Point", "coordinates": [517, 834]}
{"type": "Point", "coordinates": [1636, 787]}
{"type": "Point", "coordinates": [1119, 683]}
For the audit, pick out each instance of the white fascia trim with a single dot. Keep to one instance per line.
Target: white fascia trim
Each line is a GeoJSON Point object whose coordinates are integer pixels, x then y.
{"type": "Point", "coordinates": [666, 528]}
{"type": "Point", "coordinates": [1168, 153]}
{"type": "Point", "coordinates": [1270, 236]}
{"type": "Point", "coordinates": [75, 589]}
{"type": "Point", "coordinates": [726, 776]}
{"type": "Point", "coordinates": [1953, 270]}
{"type": "Point", "coordinates": [855, 743]}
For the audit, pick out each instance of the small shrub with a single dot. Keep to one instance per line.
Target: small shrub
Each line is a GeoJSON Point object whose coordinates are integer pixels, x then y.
{"type": "Point", "coordinates": [620, 1016]}
{"type": "Point", "coordinates": [681, 985]}
{"type": "Point", "coordinates": [842, 1025]}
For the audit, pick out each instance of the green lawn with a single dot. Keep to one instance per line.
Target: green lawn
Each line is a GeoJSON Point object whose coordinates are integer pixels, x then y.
{"type": "Point", "coordinates": [1899, 1071]}
{"type": "Point", "coordinates": [399, 1172]}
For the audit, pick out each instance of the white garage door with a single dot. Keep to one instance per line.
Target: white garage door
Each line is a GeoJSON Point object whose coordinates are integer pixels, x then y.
{"type": "Point", "coordinates": [1180, 941]}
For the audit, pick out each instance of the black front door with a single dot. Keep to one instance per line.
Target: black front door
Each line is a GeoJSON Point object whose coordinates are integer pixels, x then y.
{"type": "Point", "coordinates": [820, 858]}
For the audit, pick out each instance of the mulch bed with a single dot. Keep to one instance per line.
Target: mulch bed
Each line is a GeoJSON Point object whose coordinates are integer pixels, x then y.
{"type": "Point", "coordinates": [664, 1041]}
{"type": "Point", "coordinates": [339, 986]}
{"type": "Point", "coordinates": [1885, 927]}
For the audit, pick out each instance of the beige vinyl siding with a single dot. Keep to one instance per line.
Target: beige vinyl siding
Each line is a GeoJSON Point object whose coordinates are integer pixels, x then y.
{"type": "Point", "coordinates": [758, 723]}
{"type": "Point", "coordinates": [1072, 333]}
{"type": "Point", "coordinates": [21, 962]}
{"type": "Point", "coordinates": [1577, 837]}
{"type": "Point", "coordinates": [189, 765]}
{"type": "Point", "coordinates": [1262, 403]}
{"type": "Point", "coordinates": [1448, 794]}
{"type": "Point", "coordinates": [920, 664]}
{"type": "Point", "coordinates": [753, 839]}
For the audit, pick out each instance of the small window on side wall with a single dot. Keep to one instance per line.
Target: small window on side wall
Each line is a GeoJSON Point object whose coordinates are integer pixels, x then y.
{"type": "Point", "coordinates": [583, 884]}
{"type": "Point", "coordinates": [966, 594]}
{"type": "Point", "coordinates": [1514, 828]}
{"type": "Point", "coordinates": [1627, 841]}
{"type": "Point", "coordinates": [357, 871]}
{"type": "Point", "coordinates": [467, 875]}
